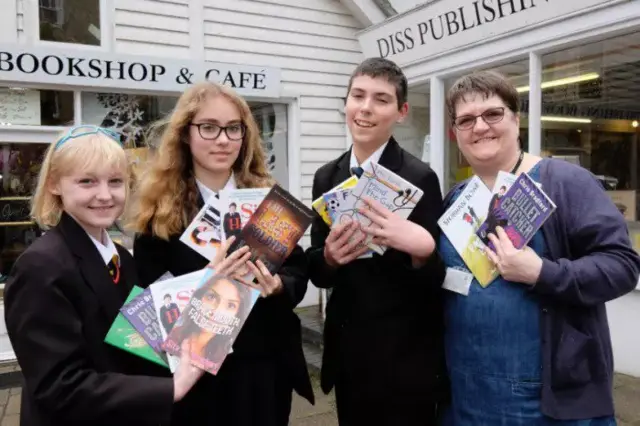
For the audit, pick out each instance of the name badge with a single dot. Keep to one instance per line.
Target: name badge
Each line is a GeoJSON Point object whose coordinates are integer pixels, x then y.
{"type": "Point", "coordinates": [458, 281]}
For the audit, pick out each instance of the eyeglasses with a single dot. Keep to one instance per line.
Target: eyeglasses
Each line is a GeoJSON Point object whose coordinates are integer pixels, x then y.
{"type": "Point", "coordinates": [490, 116]}
{"type": "Point", "coordinates": [76, 132]}
{"type": "Point", "coordinates": [210, 131]}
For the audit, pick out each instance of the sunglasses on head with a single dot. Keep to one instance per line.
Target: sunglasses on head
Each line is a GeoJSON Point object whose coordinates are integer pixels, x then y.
{"type": "Point", "coordinates": [76, 132]}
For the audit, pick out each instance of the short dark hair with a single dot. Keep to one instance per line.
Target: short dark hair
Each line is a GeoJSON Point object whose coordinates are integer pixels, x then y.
{"type": "Point", "coordinates": [487, 84]}
{"type": "Point", "coordinates": [167, 296]}
{"type": "Point", "coordinates": [380, 67]}
{"type": "Point", "coordinates": [233, 204]}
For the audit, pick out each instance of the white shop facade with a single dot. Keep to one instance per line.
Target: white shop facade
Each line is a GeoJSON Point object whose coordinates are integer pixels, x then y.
{"type": "Point", "coordinates": [123, 65]}
{"type": "Point", "coordinates": [577, 68]}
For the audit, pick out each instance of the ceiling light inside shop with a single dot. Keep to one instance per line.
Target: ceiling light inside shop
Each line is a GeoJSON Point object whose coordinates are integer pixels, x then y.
{"type": "Point", "coordinates": [566, 119]}
{"type": "Point", "coordinates": [634, 123]}
{"type": "Point", "coordinates": [563, 81]}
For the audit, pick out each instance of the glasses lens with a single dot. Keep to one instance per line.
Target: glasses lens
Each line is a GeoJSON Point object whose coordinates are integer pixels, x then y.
{"type": "Point", "coordinates": [209, 130]}
{"type": "Point", "coordinates": [493, 115]}
{"type": "Point", "coordinates": [465, 122]}
{"type": "Point", "coordinates": [235, 132]}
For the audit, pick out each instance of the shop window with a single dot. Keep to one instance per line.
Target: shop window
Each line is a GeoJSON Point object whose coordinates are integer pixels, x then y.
{"type": "Point", "coordinates": [273, 124]}
{"type": "Point", "coordinates": [590, 114]}
{"type": "Point", "coordinates": [412, 133]}
{"type": "Point", "coordinates": [19, 168]}
{"type": "Point", "coordinates": [33, 107]}
{"type": "Point", "coordinates": [70, 21]}
{"type": "Point", "coordinates": [129, 115]}
{"type": "Point", "coordinates": [518, 73]}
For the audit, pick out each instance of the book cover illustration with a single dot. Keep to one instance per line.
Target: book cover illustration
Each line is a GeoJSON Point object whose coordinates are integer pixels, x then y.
{"type": "Point", "coordinates": [387, 188]}
{"type": "Point", "coordinates": [124, 336]}
{"type": "Point", "coordinates": [170, 297]}
{"type": "Point", "coordinates": [275, 228]}
{"type": "Point", "coordinates": [460, 223]}
{"type": "Point", "coordinates": [238, 205]}
{"type": "Point", "coordinates": [320, 204]}
{"type": "Point", "coordinates": [334, 201]}
{"type": "Point", "coordinates": [521, 211]}
{"type": "Point", "coordinates": [141, 313]}
{"type": "Point", "coordinates": [212, 320]}
{"type": "Point", "coordinates": [204, 233]}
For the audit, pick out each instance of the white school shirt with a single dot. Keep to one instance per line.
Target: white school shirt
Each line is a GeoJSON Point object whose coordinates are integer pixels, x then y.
{"type": "Point", "coordinates": [107, 250]}
{"type": "Point", "coordinates": [208, 192]}
{"type": "Point", "coordinates": [375, 157]}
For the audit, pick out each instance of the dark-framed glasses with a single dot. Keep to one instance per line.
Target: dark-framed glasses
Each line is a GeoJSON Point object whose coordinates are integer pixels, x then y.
{"type": "Point", "coordinates": [490, 116]}
{"type": "Point", "coordinates": [83, 130]}
{"type": "Point", "coordinates": [211, 131]}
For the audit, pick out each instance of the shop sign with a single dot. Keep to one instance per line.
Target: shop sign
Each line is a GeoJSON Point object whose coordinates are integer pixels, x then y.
{"type": "Point", "coordinates": [445, 25]}
{"type": "Point", "coordinates": [82, 68]}
{"type": "Point", "coordinates": [15, 211]}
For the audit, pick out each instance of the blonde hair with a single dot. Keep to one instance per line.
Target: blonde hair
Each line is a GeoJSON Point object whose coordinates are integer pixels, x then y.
{"type": "Point", "coordinates": [167, 197]}
{"type": "Point", "coordinates": [91, 152]}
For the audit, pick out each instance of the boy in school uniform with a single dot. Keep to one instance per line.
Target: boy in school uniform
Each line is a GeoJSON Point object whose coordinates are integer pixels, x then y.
{"type": "Point", "coordinates": [383, 348]}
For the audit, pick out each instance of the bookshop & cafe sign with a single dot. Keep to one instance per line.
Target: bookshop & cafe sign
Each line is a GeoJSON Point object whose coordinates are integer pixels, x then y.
{"type": "Point", "coordinates": [445, 25]}
{"type": "Point", "coordinates": [82, 68]}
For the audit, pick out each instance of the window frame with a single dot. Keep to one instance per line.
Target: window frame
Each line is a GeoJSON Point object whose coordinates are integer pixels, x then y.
{"type": "Point", "coordinates": [107, 24]}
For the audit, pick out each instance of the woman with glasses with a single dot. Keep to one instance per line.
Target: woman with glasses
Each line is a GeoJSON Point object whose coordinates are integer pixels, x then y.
{"type": "Point", "coordinates": [211, 143]}
{"type": "Point", "coordinates": [533, 348]}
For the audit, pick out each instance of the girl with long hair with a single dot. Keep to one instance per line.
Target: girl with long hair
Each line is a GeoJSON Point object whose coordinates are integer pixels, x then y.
{"type": "Point", "coordinates": [210, 143]}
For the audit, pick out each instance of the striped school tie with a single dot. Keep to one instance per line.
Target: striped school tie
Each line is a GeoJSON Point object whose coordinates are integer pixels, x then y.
{"type": "Point", "coordinates": [114, 268]}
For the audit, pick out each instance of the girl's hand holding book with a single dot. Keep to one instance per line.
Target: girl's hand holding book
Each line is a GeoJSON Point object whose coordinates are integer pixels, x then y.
{"type": "Point", "coordinates": [233, 265]}
{"type": "Point", "coordinates": [268, 284]}
{"type": "Point", "coordinates": [186, 374]}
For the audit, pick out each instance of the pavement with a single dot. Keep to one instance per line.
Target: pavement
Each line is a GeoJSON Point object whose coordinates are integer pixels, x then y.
{"type": "Point", "coordinates": [626, 393]}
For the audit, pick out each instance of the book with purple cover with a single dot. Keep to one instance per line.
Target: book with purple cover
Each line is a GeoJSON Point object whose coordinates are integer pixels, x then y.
{"type": "Point", "coordinates": [521, 211]}
{"type": "Point", "coordinates": [141, 313]}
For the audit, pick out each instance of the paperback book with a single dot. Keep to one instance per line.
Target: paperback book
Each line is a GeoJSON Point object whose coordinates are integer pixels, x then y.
{"type": "Point", "coordinates": [320, 204]}
{"type": "Point", "coordinates": [124, 336]}
{"type": "Point", "coordinates": [275, 228]}
{"type": "Point", "coordinates": [460, 223]}
{"type": "Point", "coordinates": [387, 188]}
{"type": "Point", "coordinates": [521, 211]}
{"type": "Point", "coordinates": [141, 313]}
{"type": "Point", "coordinates": [170, 297]}
{"type": "Point", "coordinates": [238, 205]}
{"type": "Point", "coordinates": [334, 201]}
{"type": "Point", "coordinates": [212, 320]}
{"type": "Point", "coordinates": [204, 234]}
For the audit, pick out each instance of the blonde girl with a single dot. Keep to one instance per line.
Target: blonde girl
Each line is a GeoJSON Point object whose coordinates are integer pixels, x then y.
{"type": "Point", "coordinates": [65, 291]}
{"type": "Point", "coordinates": [212, 143]}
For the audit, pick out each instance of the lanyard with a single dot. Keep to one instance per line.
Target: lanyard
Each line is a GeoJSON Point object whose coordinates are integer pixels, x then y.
{"type": "Point", "coordinates": [515, 168]}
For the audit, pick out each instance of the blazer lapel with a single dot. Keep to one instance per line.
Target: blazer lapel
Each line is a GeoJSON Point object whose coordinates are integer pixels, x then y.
{"type": "Point", "coordinates": [392, 156]}
{"type": "Point", "coordinates": [343, 171]}
{"type": "Point", "coordinates": [92, 266]}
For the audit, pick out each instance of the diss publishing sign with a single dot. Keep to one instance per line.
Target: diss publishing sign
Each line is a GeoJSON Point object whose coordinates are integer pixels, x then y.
{"type": "Point", "coordinates": [81, 68]}
{"type": "Point", "coordinates": [445, 25]}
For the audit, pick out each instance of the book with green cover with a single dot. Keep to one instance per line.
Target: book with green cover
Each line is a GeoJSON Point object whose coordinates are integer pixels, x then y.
{"type": "Point", "coordinates": [124, 336]}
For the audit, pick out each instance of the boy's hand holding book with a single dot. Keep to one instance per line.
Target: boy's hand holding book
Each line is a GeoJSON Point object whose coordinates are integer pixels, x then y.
{"type": "Point", "coordinates": [343, 245]}
{"type": "Point", "coordinates": [391, 230]}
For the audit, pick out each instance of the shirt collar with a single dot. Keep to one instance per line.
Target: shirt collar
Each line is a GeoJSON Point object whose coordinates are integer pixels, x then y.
{"type": "Point", "coordinates": [208, 192]}
{"type": "Point", "coordinates": [106, 250]}
{"type": "Point", "coordinates": [373, 158]}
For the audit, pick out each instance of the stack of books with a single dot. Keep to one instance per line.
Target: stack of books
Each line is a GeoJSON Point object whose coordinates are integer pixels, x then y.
{"type": "Point", "coordinates": [205, 309]}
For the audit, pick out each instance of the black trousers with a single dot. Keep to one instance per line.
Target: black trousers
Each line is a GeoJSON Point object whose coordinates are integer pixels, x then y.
{"type": "Point", "coordinates": [388, 410]}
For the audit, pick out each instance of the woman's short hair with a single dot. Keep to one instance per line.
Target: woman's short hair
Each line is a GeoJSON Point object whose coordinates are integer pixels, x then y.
{"type": "Point", "coordinates": [485, 83]}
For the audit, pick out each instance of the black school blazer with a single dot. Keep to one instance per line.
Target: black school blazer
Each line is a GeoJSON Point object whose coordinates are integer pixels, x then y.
{"type": "Point", "coordinates": [272, 330]}
{"type": "Point", "coordinates": [59, 303]}
{"type": "Point", "coordinates": [384, 326]}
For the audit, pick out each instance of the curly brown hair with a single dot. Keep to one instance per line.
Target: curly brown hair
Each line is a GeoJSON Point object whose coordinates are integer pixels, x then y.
{"type": "Point", "coordinates": [166, 199]}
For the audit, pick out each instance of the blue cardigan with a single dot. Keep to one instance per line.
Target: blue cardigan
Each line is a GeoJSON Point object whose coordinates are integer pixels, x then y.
{"type": "Point", "coordinates": [591, 262]}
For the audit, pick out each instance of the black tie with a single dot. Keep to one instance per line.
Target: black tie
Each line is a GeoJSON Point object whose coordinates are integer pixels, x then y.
{"type": "Point", "coordinates": [357, 171]}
